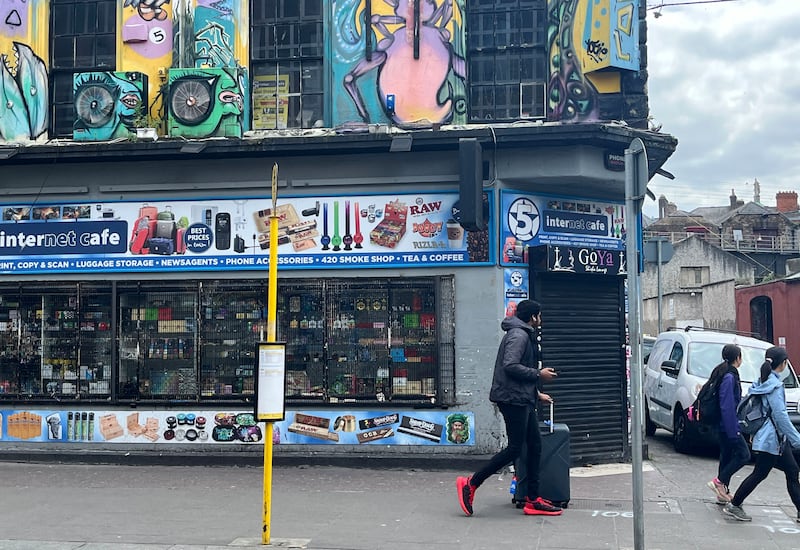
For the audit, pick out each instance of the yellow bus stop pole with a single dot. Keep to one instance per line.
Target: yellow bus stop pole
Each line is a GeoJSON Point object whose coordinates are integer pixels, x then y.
{"type": "Point", "coordinates": [272, 313]}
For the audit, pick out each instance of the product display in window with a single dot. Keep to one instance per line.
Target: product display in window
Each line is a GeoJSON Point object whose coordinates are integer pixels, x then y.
{"type": "Point", "coordinates": [232, 323]}
{"type": "Point", "coordinates": [360, 340]}
{"type": "Point", "coordinates": [157, 350]}
{"type": "Point", "coordinates": [20, 344]}
{"type": "Point", "coordinates": [60, 345]}
{"type": "Point", "coordinates": [303, 320]}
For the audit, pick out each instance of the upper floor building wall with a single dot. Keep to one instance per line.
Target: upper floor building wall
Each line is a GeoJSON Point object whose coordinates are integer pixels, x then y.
{"type": "Point", "coordinates": [97, 69]}
{"type": "Point", "coordinates": [695, 264]}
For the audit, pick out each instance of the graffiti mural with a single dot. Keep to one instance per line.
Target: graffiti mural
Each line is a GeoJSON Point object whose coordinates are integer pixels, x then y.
{"type": "Point", "coordinates": [206, 102]}
{"type": "Point", "coordinates": [571, 97]}
{"type": "Point", "coordinates": [23, 72]}
{"type": "Point", "coordinates": [23, 93]}
{"type": "Point", "coordinates": [213, 34]}
{"type": "Point", "coordinates": [146, 48]}
{"type": "Point", "coordinates": [587, 40]}
{"type": "Point", "coordinates": [108, 104]}
{"type": "Point", "coordinates": [399, 61]}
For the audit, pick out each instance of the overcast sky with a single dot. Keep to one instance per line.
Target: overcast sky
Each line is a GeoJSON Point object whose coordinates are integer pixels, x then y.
{"type": "Point", "coordinates": [724, 79]}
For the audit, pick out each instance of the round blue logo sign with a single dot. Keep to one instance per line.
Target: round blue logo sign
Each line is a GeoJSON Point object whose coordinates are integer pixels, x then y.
{"type": "Point", "coordinates": [198, 238]}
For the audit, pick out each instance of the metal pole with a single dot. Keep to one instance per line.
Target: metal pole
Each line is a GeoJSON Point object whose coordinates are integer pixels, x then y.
{"type": "Point", "coordinates": [658, 282]}
{"type": "Point", "coordinates": [634, 196]}
{"type": "Point", "coordinates": [272, 314]}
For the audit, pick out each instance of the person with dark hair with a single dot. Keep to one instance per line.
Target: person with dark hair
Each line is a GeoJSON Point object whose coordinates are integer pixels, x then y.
{"type": "Point", "coordinates": [773, 443]}
{"type": "Point", "coordinates": [733, 451]}
{"type": "Point", "coordinates": [514, 390]}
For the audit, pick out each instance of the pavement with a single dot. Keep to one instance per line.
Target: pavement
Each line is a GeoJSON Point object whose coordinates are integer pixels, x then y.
{"type": "Point", "coordinates": [51, 505]}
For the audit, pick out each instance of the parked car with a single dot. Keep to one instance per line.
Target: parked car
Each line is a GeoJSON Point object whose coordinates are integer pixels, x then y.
{"type": "Point", "coordinates": [680, 363]}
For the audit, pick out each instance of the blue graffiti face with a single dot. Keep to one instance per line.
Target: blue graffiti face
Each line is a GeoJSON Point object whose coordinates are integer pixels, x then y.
{"type": "Point", "coordinates": [106, 104]}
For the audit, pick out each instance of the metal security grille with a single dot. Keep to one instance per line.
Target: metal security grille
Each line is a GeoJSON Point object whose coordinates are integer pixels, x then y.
{"type": "Point", "coordinates": [583, 338]}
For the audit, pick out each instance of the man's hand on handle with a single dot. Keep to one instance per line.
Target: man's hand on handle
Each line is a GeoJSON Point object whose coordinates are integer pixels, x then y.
{"type": "Point", "coordinates": [547, 374]}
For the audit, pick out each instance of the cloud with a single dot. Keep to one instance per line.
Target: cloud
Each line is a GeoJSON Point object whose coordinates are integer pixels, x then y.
{"type": "Point", "coordinates": [725, 80]}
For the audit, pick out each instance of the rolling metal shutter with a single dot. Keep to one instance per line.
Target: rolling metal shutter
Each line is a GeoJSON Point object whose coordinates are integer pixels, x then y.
{"type": "Point", "coordinates": [583, 338]}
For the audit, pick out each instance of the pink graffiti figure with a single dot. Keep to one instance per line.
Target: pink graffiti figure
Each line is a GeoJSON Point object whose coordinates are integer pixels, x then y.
{"type": "Point", "coordinates": [415, 81]}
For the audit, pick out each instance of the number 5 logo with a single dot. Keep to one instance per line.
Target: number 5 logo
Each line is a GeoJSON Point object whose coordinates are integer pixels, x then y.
{"type": "Point", "coordinates": [523, 219]}
{"type": "Point", "coordinates": [157, 35]}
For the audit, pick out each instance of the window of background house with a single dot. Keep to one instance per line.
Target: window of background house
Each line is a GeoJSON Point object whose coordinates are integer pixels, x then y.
{"type": "Point", "coordinates": [82, 39]}
{"type": "Point", "coordinates": [506, 44]}
{"type": "Point", "coordinates": [694, 276]}
{"type": "Point", "coordinates": [287, 43]}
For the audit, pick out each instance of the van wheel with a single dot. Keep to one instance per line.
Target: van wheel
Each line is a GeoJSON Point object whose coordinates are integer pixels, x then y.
{"type": "Point", "coordinates": [649, 427]}
{"type": "Point", "coordinates": [680, 433]}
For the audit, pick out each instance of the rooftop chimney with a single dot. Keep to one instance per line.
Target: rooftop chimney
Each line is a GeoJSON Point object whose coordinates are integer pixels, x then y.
{"type": "Point", "coordinates": [756, 192]}
{"type": "Point", "coordinates": [787, 201]}
{"type": "Point", "coordinates": [662, 206]}
{"type": "Point", "coordinates": [733, 199]}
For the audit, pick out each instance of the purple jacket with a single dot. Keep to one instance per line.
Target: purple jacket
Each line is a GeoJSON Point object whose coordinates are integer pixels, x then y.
{"type": "Point", "coordinates": [730, 393]}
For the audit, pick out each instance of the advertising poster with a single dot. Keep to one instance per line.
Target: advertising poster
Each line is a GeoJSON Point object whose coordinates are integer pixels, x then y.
{"type": "Point", "coordinates": [341, 427]}
{"type": "Point", "coordinates": [370, 231]}
{"type": "Point", "coordinates": [532, 220]}
{"type": "Point", "coordinates": [515, 288]}
{"type": "Point", "coordinates": [270, 105]}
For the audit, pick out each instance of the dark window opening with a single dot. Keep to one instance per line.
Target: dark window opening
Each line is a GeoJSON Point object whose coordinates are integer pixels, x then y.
{"type": "Point", "coordinates": [506, 42]}
{"type": "Point", "coordinates": [83, 39]}
{"type": "Point", "coordinates": [287, 45]}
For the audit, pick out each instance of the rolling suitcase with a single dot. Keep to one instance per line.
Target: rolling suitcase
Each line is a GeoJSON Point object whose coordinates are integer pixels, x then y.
{"type": "Point", "coordinates": [555, 462]}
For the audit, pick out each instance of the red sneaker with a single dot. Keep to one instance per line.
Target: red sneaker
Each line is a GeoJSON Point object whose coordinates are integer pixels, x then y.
{"type": "Point", "coordinates": [541, 507]}
{"type": "Point", "coordinates": [466, 494]}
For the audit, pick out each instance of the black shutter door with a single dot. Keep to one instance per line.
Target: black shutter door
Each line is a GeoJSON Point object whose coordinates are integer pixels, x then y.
{"type": "Point", "coordinates": [583, 338]}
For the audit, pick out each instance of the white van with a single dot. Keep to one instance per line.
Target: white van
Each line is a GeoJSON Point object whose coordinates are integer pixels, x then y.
{"type": "Point", "coordinates": [680, 363]}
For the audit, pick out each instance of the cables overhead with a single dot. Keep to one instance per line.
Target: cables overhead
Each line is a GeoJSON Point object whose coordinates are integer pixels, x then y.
{"type": "Point", "coordinates": [667, 4]}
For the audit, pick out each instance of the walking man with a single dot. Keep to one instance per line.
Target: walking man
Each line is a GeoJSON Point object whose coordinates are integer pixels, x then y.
{"type": "Point", "coordinates": [516, 373]}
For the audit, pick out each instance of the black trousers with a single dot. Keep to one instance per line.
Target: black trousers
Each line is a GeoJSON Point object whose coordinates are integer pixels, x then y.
{"type": "Point", "coordinates": [522, 429]}
{"type": "Point", "coordinates": [785, 462]}
{"type": "Point", "coordinates": [733, 455]}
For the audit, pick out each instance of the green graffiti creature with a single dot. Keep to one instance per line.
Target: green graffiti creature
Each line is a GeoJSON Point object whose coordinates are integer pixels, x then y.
{"type": "Point", "coordinates": [457, 428]}
{"type": "Point", "coordinates": [23, 95]}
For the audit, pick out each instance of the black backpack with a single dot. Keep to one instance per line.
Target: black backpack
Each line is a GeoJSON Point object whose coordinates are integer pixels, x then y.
{"type": "Point", "coordinates": [705, 408]}
{"type": "Point", "coordinates": [752, 414]}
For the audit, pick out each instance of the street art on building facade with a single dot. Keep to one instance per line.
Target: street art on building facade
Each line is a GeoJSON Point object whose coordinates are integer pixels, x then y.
{"type": "Point", "coordinates": [213, 34]}
{"type": "Point", "coordinates": [23, 73]}
{"type": "Point", "coordinates": [585, 37]}
{"type": "Point", "coordinates": [399, 61]}
{"type": "Point", "coordinates": [108, 105]}
{"type": "Point", "coordinates": [206, 102]}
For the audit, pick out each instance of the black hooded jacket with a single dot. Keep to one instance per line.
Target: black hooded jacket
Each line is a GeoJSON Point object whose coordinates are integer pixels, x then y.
{"type": "Point", "coordinates": [516, 371]}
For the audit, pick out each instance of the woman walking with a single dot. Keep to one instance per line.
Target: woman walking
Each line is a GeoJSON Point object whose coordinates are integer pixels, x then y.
{"type": "Point", "coordinates": [774, 442]}
{"type": "Point", "coordinates": [733, 451]}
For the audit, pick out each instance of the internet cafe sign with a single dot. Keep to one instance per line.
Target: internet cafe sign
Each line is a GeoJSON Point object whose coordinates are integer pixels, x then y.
{"type": "Point", "coordinates": [586, 260]}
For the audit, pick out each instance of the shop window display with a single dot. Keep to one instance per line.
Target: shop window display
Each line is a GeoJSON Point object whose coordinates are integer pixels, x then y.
{"type": "Point", "coordinates": [232, 321]}
{"type": "Point", "coordinates": [157, 345]}
{"type": "Point", "coordinates": [347, 340]}
{"type": "Point", "coordinates": [360, 340]}
{"type": "Point", "coordinates": [20, 343]}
